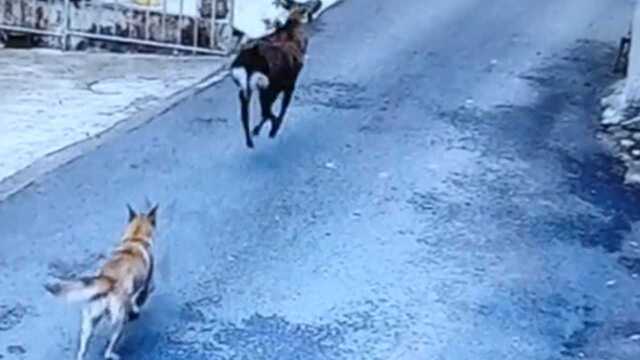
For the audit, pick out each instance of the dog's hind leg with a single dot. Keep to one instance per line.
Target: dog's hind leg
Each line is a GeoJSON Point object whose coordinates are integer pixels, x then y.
{"type": "Point", "coordinates": [91, 315]}
{"type": "Point", "coordinates": [109, 354]}
{"type": "Point", "coordinates": [118, 313]}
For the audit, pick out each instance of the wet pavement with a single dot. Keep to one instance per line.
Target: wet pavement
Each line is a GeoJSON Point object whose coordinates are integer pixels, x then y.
{"type": "Point", "coordinates": [437, 192]}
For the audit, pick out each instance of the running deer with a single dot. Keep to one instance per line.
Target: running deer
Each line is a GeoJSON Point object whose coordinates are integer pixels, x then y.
{"type": "Point", "coordinates": [271, 67]}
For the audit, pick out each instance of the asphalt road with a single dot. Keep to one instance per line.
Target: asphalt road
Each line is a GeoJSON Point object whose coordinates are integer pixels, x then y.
{"type": "Point", "coordinates": [437, 192]}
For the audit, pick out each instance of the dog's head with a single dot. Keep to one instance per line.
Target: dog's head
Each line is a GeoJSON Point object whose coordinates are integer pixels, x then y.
{"type": "Point", "coordinates": [141, 224]}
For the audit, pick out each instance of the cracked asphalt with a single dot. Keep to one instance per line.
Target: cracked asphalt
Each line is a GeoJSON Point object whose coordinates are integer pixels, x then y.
{"type": "Point", "coordinates": [437, 192]}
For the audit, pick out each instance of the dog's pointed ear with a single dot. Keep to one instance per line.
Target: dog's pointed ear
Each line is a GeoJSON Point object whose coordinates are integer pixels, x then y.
{"type": "Point", "coordinates": [152, 215]}
{"type": "Point", "coordinates": [132, 213]}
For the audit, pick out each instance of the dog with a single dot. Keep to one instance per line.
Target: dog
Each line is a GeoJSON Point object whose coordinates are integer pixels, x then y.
{"type": "Point", "coordinates": [271, 67]}
{"type": "Point", "coordinates": [121, 287]}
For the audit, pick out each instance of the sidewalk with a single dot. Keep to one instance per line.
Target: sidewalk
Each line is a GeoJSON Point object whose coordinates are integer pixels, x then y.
{"type": "Point", "coordinates": [51, 100]}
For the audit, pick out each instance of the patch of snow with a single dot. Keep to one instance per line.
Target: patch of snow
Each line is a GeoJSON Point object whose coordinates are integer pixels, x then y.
{"type": "Point", "coordinates": [625, 157]}
{"type": "Point", "coordinates": [330, 165]}
{"type": "Point", "coordinates": [631, 121]}
{"type": "Point", "coordinates": [614, 105]}
{"type": "Point", "coordinates": [616, 96]}
{"type": "Point", "coordinates": [384, 175]}
{"type": "Point", "coordinates": [621, 134]}
{"type": "Point", "coordinates": [611, 116]}
{"type": "Point", "coordinates": [632, 176]}
{"type": "Point", "coordinates": [627, 143]}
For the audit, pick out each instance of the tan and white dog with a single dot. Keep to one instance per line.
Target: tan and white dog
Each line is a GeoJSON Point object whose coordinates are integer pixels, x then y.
{"type": "Point", "coordinates": [120, 288]}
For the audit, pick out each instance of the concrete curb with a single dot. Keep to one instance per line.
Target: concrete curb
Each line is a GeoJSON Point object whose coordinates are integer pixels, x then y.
{"type": "Point", "coordinates": [52, 161]}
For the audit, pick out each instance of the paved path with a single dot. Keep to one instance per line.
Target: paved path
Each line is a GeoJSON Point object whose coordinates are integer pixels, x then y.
{"type": "Point", "coordinates": [437, 193]}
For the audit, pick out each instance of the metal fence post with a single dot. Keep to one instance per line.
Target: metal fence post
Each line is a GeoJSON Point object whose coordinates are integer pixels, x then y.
{"type": "Point", "coordinates": [231, 22]}
{"type": "Point", "coordinates": [66, 25]}
{"type": "Point", "coordinates": [212, 34]}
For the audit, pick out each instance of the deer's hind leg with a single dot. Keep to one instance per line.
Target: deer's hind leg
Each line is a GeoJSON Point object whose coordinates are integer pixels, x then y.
{"type": "Point", "coordinates": [267, 98]}
{"type": "Point", "coordinates": [286, 101]}
{"type": "Point", "coordinates": [245, 100]}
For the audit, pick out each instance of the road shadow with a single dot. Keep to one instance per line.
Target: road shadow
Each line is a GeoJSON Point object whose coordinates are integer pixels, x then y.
{"type": "Point", "coordinates": [558, 133]}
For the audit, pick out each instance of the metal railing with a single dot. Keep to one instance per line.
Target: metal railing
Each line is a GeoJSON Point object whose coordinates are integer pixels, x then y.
{"type": "Point", "coordinates": [197, 26]}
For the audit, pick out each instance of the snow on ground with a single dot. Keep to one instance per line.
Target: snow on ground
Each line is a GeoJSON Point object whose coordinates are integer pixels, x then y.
{"type": "Point", "coordinates": [253, 17]}
{"type": "Point", "coordinates": [51, 100]}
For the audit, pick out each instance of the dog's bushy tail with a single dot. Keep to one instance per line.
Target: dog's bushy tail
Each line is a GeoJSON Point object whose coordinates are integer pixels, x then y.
{"type": "Point", "coordinates": [84, 289]}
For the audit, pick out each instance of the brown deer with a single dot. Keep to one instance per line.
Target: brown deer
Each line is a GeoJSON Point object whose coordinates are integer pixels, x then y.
{"type": "Point", "coordinates": [271, 66]}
